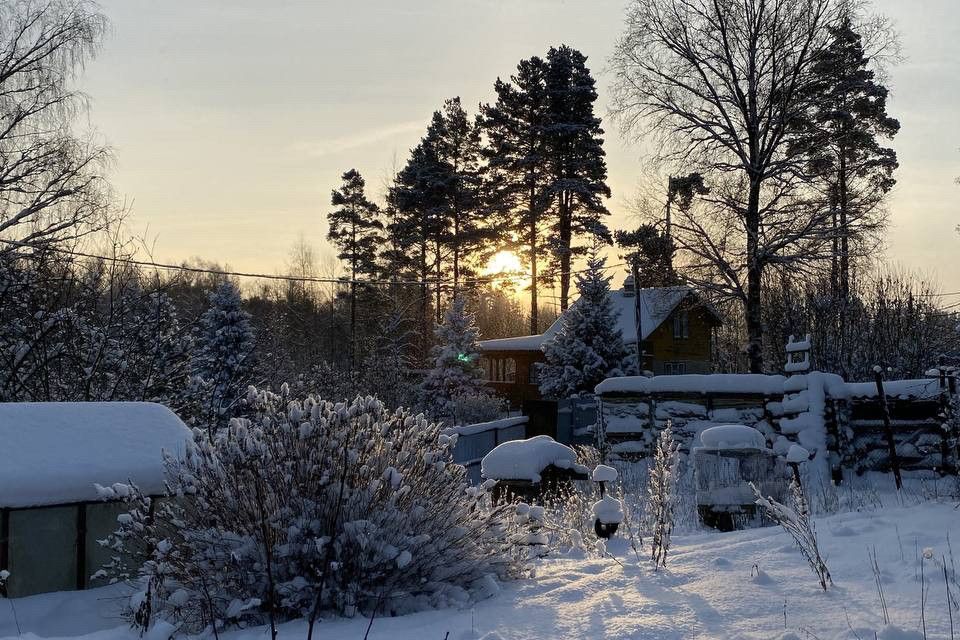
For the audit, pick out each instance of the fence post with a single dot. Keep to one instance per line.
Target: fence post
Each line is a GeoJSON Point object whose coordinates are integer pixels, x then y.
{"type": "Point", "coordinates": [887, 427]}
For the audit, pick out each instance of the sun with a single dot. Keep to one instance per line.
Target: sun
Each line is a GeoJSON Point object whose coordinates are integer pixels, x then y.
{"type": "Point", "coordinates": [503, 262]}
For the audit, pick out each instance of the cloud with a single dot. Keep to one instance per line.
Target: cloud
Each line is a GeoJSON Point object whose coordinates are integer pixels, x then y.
{"type": "Point", "coordinates": [319, 148]}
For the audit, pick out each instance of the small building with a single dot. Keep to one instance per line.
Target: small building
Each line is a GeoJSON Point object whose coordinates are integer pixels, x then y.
{"type": "Point", "coordinates": [54, 455]}
{"type": "Point", "coordinates": [677, 329]}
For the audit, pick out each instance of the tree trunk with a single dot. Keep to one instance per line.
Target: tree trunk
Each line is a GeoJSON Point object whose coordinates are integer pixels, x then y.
{"type": "Point", "coordinates": [754, 310]}
{"type": "Point", "coordinates": [353, 296]}
{"type": "Point", "coordinates": [532, 240]}
{"type": "Point", "coordinates": [566, 238]}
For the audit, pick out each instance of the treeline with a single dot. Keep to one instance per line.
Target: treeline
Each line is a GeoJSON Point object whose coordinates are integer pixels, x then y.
{"type": "Point", "coordinates": [526, 173]}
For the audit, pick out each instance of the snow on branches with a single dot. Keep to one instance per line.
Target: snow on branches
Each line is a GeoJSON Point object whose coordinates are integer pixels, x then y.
{"type": "Point", "coordinates": [309, 507]}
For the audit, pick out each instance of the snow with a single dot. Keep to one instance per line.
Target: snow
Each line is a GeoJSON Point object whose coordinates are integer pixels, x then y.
{"type": "Point", "coordinates": [708, 590]}
{"type": "Point", "coordinates": [919, 388]}
{"type": "Point", "coordinates": [525, 459]}
{"type": "Point", "coordinates": [603, 473]}
{"type": "Point", "coordinates": [56, 452]}
{"type": "Point", "coordinates": [608, 510]}
{"type": "Point", "coordinates": [796, 346]}
{"type": "Point", "coordinates": [480, 427]}
{"type": "Point", "coordinates": [695, 383]}
{"type": "Point", "coordinates": [519, 343]}
{"type": "Point", "coordinates": [732, 436]}
{"type": "Point", "coordinates": [797, 454]}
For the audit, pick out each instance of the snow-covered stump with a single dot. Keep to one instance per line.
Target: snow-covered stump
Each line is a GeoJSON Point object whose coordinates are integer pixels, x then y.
{"type": "Point", "coordinates": [608, 511]}
{"type": "Point", "coordinates": [730, 459]}
{"type": "Point", "coordinates": [530, 468]}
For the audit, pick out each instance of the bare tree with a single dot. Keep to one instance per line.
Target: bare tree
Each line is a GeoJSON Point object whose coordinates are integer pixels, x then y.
{"type": "Point", "coordinates": [51, 184]}
{"type": "Point", "coordinates": [724, 83]}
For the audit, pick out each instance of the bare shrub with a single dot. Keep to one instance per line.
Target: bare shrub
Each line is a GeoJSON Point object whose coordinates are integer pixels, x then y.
{"type": "Point", "coordinates": [663, 494]}
{"type": "Point", "coordinates": [796, 521]}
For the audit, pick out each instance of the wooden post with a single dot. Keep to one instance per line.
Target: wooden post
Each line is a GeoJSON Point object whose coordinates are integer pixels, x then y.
{"type": "Point", "coordinates": [4, 545]}
{"type": "Point", "coordinates": [81, 546]}
{"type": "Point", "coordinates": [888, 428]}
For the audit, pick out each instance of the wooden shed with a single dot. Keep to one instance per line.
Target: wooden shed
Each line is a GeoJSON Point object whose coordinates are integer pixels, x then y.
{"type": "Point", "coordinates": [54, 455]}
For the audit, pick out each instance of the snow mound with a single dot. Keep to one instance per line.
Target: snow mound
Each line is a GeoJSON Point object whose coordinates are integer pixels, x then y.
{"type": "Point", "coordinates": [525, 459]}
{"type": "Point", "coordinates": [608, 510]}
{"type": "Point", "coordinates": [55, 452]}
{"type": "Point", "coordinates": [797, 454]}
{"type": "Point", "coordinates": [732, 436]}
{"type": "Point", "coordinates": [603, 473]}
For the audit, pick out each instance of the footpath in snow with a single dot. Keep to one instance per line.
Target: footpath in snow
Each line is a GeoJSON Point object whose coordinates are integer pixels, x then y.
{"type": "Point", "coordinates": [750, 584]}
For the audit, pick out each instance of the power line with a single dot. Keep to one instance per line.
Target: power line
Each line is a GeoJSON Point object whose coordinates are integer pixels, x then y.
{"type": "Point", "coordinates": [286, 277]}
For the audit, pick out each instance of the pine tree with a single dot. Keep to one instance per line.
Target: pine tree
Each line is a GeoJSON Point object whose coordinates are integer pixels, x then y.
{"type": "Point", "coordinates": [356, 230]}
{"type": "Point", "coordinates": [577, 171]}
{"type": "Point", "coordinates": [649, 256]}
{"type": "Point", "coordinates": [588, 347]}
{"type": "Point", "coordinates": [224, 356]}
{"type": "Point", "coordinates": [515, 127]}
{"type": "Point", "coordinates": [457, 140]}
{"type": "Point", "coordinates": [456, 371]}
{"type": "Point", "coordinates": [848, 121]}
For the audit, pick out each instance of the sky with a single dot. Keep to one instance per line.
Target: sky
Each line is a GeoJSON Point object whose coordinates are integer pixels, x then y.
{"type": "Point", "coordinates": [231, 120]}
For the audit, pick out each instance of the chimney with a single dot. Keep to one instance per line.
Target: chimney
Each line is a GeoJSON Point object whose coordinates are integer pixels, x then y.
{"type": "Point", "coordinates": [629, 290]}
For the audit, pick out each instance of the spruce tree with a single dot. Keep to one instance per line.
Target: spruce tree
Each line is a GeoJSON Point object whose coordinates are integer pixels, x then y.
{"type": "Point", "coordinates": [516, 132]}
{"type": "Point", "coordinates": [224, 355]}
{"type": "Point", "coordinates": [456, 371]}
{"type": "Point", "coordinates": [577, 171]}
{"type": "Point", "coordinates": [588, 348]}
{"type": "Point", "coordinates": [357, 232]}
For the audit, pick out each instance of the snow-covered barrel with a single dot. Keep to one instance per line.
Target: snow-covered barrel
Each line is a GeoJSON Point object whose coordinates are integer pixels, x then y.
{"type": "Point", "coordinates": [528, 468]}
{"type": "Point", "coordinates": [728, 459]}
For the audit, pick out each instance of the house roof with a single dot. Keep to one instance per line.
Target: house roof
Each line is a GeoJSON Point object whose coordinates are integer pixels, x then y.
{"type": "Point", "coordinates": [55, 452]}
{"type": "Point", "coordinates": [656, 305]}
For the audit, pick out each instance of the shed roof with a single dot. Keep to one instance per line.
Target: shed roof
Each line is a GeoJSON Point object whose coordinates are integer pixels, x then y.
{"type": "Point", "coordinates": [656, 305]}
{"type": "Point", "coordinates": [54, 452]}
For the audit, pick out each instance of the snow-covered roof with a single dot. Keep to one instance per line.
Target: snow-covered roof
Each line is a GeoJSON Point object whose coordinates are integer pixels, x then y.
{"type": "Point", "coordinates": [54, 452]}
{"type": "Point", "coordinates": [695, 383]}
{"type": "Point", "coordinates": [519, 343]}
{"type": "Point", "coordinates": [656, 304]}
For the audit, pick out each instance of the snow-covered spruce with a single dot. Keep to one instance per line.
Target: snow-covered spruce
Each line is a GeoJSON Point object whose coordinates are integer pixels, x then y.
{"type": "Point", "coordinates": [589, 347]}
{"type": "Point", "coordinates": [254, 533]}
{"type": "Point", "coordinates": [222, 362]}
{"type": "Point", "coordinates": [456, 380]}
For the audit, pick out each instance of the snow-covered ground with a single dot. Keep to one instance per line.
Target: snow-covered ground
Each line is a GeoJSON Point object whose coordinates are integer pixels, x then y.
{"type": "Point", "coordinates": [746, 584]}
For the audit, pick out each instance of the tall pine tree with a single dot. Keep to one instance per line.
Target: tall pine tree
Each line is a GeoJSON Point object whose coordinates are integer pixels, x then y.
{"type": "Point", "coordinates": [577, 170]}
{"type": "Point", "coordinates": [357, 232]}
{"type": "Point", "coordinates": [588, 348]}
{"type": "Point", "coordinates": [846, 127]}
{"type": "Point", "coordinates": [516, 131]}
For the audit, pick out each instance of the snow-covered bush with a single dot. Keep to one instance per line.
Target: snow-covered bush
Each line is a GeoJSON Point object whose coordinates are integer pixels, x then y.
{"type": "Point", "coordinates": [589, 347]}
{"type": "Point", "coordinates": [308, 507]}
{"type": "Point", "coordinates": [456, 371]}
{"type": "Point", "coordinates": [663, 489]}
{"type": "Point", "coordinates": [796, 521]}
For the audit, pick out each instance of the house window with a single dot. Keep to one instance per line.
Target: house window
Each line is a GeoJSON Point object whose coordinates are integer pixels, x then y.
{"type": "Point", "coordinates": [500, 369]}
{"type": "Point", "coordinates": [681, 325]}
{"type": "Point", "coordinates": [533, 374]}
{"type": "Point", "coordinates": [675, 368]}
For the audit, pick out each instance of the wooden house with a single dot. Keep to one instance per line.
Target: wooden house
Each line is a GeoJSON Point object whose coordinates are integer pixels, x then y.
{"type": "Point", "coordinates": [676, 326]}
